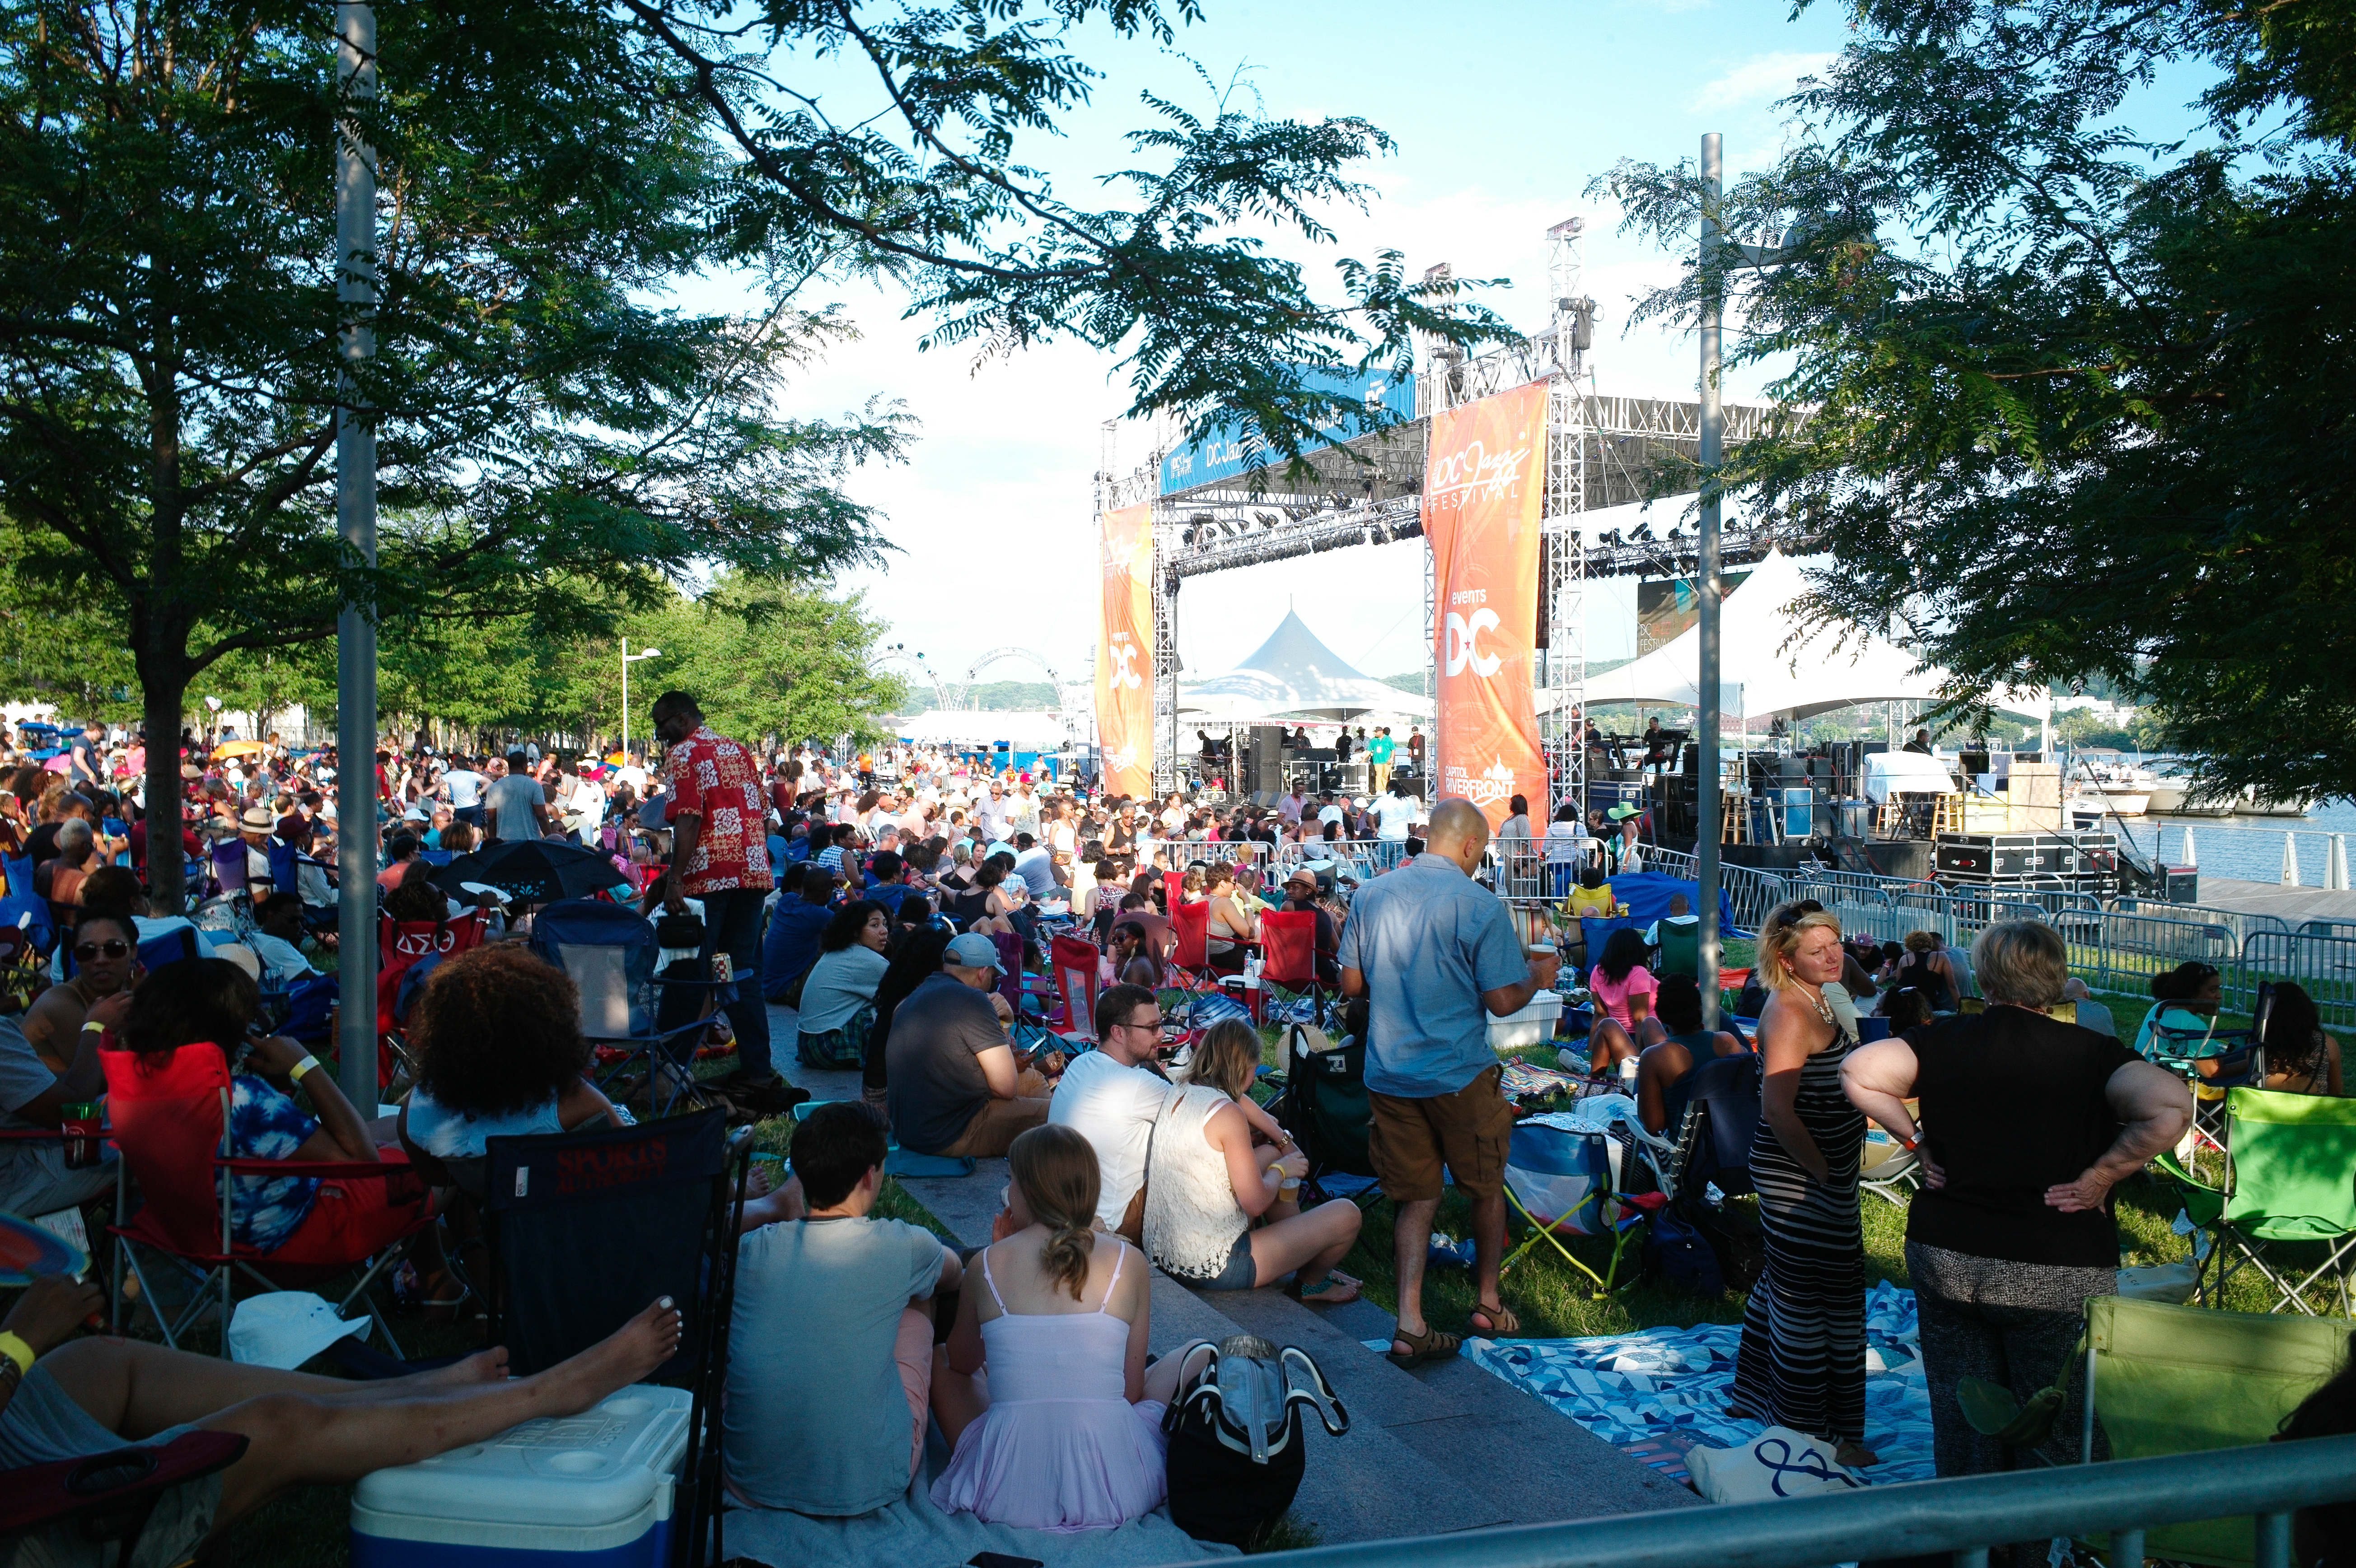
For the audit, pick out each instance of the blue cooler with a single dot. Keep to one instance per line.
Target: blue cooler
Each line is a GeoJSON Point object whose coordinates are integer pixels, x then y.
{"type": "Point", "coordinates": [1799, 812]}
{"type": "Point", "coordinates": [593, 1489]}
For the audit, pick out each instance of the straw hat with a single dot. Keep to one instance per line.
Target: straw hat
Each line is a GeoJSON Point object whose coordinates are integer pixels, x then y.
{"type": "Point", "coordinates": [244, 957]}
{"type": "Point", "coordinates": [260, 819]}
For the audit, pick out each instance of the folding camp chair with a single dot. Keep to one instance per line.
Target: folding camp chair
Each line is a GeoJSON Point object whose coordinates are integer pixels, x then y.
{"type": "Point", "coordinates": [2175, 1379]}
{"type": "Point", "coordinates": [403, 947]}
{"type": "Point", "coordinates": [171, 1122]}
{"type": "Point", "coordinates": [586, 1229]}
{"type": "Point", "coordinates": [1680, 948]}
{"type": "Point", "coordinates": [1190, 955]}
{"type": "Point", "coordinates": [1564, 1181]}
{"type": "Point", "coordinates": [1074, 964]}
{"type": "Point", "coordinates": [2236, 1061]}
{"type": "Point", "coordinates": [1289, 956]}
{"type": "Point", "coordinates": [2288, 1164]}
{"type": "Point", "coordinates": [610, 953]}
{"type": "Point", "coordinates": [24, 909]}
{"type": "Point", "coordinates": [105, 1500]}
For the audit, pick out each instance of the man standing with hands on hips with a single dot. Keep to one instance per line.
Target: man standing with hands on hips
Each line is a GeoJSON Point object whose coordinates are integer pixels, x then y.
{"type": "Point", "coordinates": [1435, 954]}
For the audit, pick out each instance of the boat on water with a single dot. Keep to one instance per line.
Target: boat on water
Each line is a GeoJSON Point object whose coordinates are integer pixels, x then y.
{"type": "Point", "coordinates": [2252, 803]}
{"type": "Point", "coordinates": [2114, 787]}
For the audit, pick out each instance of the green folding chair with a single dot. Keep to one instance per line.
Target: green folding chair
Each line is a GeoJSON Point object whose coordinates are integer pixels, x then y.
{"type": "Point", "coordinates": [1680, 949]}
{"type": "Point", "coordinates": [2290, 1178]}
{"type": "Point", "coordinates": [2179, 1379]}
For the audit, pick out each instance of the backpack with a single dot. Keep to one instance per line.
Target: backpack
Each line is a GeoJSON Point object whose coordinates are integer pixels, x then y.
{"type": "Point", "coordinates": [1677, 1252]}
{"type": "Point", "coordinates": [1235, 1450]}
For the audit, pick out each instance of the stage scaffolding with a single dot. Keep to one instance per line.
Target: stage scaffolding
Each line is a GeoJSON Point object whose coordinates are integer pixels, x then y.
{"type": "Point", "coordinates": [1602, 453]}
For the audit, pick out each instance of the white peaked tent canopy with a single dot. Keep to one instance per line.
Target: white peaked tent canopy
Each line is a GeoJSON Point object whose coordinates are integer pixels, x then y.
{"type": "Point", "coordinates": [1293, 675]}
{"type": "Point", "coordinates": [1023, 731]}
{"type": "Point", "coordinates": [1818, 672]}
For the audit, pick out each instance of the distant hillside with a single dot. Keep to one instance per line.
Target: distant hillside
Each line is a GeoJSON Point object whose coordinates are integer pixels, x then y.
{"type": "Point", "coordinates": [1414, 682]}
{"type": "Point", "coordinates": [1013, 696]}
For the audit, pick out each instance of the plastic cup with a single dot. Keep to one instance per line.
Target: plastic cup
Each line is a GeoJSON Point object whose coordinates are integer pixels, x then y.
{"type": "Point", "coordinates": [83, 1125]}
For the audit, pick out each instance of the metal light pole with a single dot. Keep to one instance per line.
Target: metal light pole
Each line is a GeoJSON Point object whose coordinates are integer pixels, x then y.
{"type": "Point", "coordinates": [629, 658]}
{"type": "Point", "coordinates": [355, 840]}
{"type": "Point", "coordinates": [1706, 808]}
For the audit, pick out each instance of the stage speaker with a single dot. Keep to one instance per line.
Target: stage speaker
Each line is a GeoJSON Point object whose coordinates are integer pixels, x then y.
{"type": "Point", "coordinates": [1267, 758]}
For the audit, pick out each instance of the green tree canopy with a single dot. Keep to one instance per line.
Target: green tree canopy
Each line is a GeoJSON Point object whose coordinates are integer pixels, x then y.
{"type": "Point", "coordinates": [2077, 398]}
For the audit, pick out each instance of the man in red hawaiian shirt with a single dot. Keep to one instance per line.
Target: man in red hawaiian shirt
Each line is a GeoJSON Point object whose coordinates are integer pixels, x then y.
{"type": "Point", "coordinates": [718, 811]}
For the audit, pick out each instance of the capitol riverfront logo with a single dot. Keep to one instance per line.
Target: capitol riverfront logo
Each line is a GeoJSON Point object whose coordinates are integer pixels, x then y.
{"type": "Point", "coordinates": [1123, 652]}
{"type": "Point", "coordinates": [1491, 784]}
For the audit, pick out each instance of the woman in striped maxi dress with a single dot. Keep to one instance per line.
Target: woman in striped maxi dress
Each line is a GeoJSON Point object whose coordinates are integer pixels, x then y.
{"type": "Point", "coordinates": [1801, 1363]}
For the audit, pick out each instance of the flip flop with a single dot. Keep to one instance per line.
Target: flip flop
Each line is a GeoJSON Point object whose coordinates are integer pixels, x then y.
{"type": "Point", "coordinates": [1339, 1290]}
{"type": "Point", "coordinates": [1432, 1345]}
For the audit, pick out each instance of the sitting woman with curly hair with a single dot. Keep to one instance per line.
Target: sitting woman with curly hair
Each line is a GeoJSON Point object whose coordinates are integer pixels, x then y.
{"type": "Point", "coordinates": [497, 1034]}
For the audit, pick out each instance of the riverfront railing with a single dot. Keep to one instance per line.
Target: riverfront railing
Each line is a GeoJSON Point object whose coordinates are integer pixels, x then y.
{"type": "Point", "coordinates": [1960, 1519]}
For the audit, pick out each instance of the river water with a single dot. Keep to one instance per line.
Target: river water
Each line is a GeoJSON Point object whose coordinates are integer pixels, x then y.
{"type": "Point", "coordinates": [2249, 849]}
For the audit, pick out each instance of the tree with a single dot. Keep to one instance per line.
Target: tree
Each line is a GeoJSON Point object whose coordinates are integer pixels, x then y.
{"type": "Point", "coordinates": [170, 371]}
{"type": "Point", "coordinates": [2077, 400]}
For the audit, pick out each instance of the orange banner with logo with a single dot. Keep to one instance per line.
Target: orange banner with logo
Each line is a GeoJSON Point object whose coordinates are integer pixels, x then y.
{"type": "Point", "coordinates": [1484, 494]}
{"type": "Point", "coordinates": [1125, 654]}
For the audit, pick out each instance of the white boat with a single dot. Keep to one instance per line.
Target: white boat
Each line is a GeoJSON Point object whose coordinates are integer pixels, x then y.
{"type": "Point", "coordinates": [2112, 787]}
{"type": "Point", "coordinates": [2253, 804]}
{"type": "Point", "coordinates": [2171, 795]}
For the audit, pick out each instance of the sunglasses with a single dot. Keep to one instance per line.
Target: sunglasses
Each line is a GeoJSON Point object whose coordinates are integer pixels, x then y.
{"type": "Point", "coordinates": [89, 950]}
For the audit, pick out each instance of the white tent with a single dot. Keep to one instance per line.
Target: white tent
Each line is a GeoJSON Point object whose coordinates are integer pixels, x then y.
{"type": "Point", "coordinates": [954, 725]}
{"type": "Point", "coordinates": [1293, 675]}
{"type": "Point", "coordinates": [1818, 672]}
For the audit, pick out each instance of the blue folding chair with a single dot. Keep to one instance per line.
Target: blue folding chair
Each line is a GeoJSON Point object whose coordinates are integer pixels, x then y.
{"type": "Point", "coordinates": [24, 909]}
{"type": "Point", "coordinates": [610, 953]}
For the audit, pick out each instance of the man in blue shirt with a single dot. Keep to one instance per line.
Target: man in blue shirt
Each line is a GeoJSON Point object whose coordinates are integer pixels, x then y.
{"type": "Point", "coordinates": [1435, 956]}
{"type": "Point", "coordinates": [797, 921]}
{"type": "Point", "coordinates": [888, 883]}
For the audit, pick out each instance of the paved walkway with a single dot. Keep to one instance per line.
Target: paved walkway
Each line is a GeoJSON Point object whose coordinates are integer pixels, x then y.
{"type": "Point", "coordinates": [2293, 905]}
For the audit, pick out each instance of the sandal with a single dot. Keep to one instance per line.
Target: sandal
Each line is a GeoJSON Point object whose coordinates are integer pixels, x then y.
{"type": "Point", "coordinates": [1495, 1322]}
{"type": "Point", "coordinates": [1337, 1290]}
{"type": "Point", "coordinates": [1432, 1345]}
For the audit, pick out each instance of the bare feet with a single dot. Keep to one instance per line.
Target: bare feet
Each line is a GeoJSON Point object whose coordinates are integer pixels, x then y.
{"type": "Point", "coordinates": [483, 1366]}
{"type": "Point", "coordinates": [631, 1352]}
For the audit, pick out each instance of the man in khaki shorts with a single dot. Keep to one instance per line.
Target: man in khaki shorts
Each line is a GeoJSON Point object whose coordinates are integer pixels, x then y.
{"type": "Point", "coordinates": [1435, 954]}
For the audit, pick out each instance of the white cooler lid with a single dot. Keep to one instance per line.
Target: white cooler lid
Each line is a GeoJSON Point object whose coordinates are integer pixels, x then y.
{"type": "Point", "coordinates": [597, 1467]}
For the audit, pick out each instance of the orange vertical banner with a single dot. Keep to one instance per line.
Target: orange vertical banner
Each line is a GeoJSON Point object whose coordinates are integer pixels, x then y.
{"type": "Point", "coordinates": [1483, 489]}
{"type": "Point", "coordinates": [1125, 654]}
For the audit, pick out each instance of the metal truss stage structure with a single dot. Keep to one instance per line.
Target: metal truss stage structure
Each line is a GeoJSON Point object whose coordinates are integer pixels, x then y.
{"type": "Point", "coordinates": [1601, 451]}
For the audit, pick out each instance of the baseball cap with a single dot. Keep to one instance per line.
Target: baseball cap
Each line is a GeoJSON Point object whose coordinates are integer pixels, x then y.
{"type": "Point", "coordinates": [973, 951]}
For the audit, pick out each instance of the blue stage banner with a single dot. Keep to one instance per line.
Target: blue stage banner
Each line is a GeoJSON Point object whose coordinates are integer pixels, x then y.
{"type": "Point", "coordinates": [1228, 451]}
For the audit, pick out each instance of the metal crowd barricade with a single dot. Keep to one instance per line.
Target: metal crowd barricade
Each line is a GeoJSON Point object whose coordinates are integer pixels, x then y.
{"type": "Point", "coordinates": [2323, 965]}
{"type": "Point", "coordinates": [2241, 922]}
{"type": "Point", "coordinates": [2129, 949]}
{"type": "Point", "coordinates": [2328, 928]}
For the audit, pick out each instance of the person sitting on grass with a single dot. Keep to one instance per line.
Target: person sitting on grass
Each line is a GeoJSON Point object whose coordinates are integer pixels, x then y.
{"type": "Point", "coordinates": [1217, 1162]}
{"type": "Point", "coordinates": [65, 1398]}
{"type": "Point", "coordinates": [797, 924]}
{"type": "Point", "coordinates": [1623, 987]}
{"type": "Point", "coordinates": [496, 1033]}
{"type": "Point", "coordinates": [830, 1365]}
{"type": "Point", "coordinates": [1062, 1429]}
{"type": "Point", "coordinates": [955, 1084]}
{"type": "Point", "coordinates": [1665, 1071]}
{"type": "Point", "coordinates": [838, 1006]}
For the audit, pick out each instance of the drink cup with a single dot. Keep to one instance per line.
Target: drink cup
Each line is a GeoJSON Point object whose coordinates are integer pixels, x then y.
{"type": "Point", "coordinates": [83, 1126]}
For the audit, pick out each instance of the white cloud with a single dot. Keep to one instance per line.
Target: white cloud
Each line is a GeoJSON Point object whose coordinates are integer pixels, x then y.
{"type": "Point", "coordinates": [1759, 79]}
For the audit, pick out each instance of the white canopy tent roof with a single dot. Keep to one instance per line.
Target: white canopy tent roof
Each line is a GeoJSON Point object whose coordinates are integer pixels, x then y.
{"type": "Point", "coordinates": [1023, 731]}
{"type": "Point", "coordinates": [1818, 672]}
{"type": "Point", "coordinates": [1293, 675]}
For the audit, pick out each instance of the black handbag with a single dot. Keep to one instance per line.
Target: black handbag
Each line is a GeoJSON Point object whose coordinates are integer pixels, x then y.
{"type": "Point", "coordinates": [1237, 1452]}
{"type": "Point", "coordinates": [684, 929]}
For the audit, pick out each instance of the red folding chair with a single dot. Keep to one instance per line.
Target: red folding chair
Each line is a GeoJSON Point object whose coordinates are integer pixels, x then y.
{"type": "Point", "coordinates": [107, 1499]}
{"type": "Point", "coordinates": [400, 945]}
{"type": "Point", "coordinates": [171, 1122]}
{"type": "Point", "coordinates": [1289, 954]}
{"type": "Point", "coordinates": [1190, 951]}
{"type": "Point", "coordinates": [1075, 967]}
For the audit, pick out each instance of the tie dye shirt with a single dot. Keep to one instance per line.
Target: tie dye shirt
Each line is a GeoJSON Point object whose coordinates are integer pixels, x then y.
{"type": "Point", "coordinates": [265, 1124]}
{"type": "Point", "coordinates": [720, 782]}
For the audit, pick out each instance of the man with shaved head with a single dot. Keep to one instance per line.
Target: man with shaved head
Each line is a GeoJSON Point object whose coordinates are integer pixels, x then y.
{"type": "Point", "coordinates": [1435, 954]}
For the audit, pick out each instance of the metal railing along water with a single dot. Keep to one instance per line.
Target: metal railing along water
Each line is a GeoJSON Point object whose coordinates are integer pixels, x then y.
{"type": "Point", "coordinates": [1961, 1518]}
{"type": "Point", "coordinates": [2322, 966]}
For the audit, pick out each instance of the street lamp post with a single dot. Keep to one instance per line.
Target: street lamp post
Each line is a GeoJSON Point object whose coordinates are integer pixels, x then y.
{"type": "Point", "coordinates": [629, 658]}
{"type": "Point", "coordinates": [1706, 831]}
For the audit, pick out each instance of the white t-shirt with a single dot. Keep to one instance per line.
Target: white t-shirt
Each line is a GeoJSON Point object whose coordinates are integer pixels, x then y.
{"type": "Point", "coordinates": [588, 800]}
{"type": "Point", "coordinates": [633, 775]}
{"type": "Point", "coordinates": [1113, 1107]}
{"type": "Point", "coordinates": [1393, 817]}
{"type": "Point", "coordinates": [1331, 814]}
{"type": "Point", "coordinates": [465, 787]}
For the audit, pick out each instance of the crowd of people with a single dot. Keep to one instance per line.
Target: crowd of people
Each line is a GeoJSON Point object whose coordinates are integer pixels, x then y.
{"type": "Point", "coordinates": [893, 901]}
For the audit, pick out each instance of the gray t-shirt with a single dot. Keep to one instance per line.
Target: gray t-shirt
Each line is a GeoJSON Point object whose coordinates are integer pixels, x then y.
{"type": "Point", "coordinates": [511, 799]}
{"type": "Point", "coordinates": [935, 1086]}
{"type": "Point", "coordinates": [815, 1419]}
{"type": "Point", "coordinates": [1428, 940]}
{"type": "Point", "coordinates": [1036, 867]}
{"type": "Point", "coordinates": [25, 1166]}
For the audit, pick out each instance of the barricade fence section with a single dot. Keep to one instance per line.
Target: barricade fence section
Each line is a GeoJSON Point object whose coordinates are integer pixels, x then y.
{"type": "Point", "coordinates": [2323, 965]}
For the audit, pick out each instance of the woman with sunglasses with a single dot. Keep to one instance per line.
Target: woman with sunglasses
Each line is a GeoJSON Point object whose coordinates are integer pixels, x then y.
{"type": "Point", "coordinates": [105, 948]}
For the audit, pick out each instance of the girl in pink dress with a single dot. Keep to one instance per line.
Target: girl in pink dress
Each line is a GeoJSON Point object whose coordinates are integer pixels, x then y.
{"type": "Point", "coordinates": [1062, 1428]}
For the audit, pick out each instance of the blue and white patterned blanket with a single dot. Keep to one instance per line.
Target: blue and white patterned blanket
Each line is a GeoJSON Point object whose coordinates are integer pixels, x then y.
{"type": "Point", "coordinates": [1626, 1388]}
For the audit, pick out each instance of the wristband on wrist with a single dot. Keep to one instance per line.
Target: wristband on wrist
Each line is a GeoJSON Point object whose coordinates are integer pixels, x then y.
{"type": "Point", "coordinates": [294, 1074]}
{"type": "Point", "coordinates": [19, 1353]}
{"type": "Point", "coordinates": [91, 1026]}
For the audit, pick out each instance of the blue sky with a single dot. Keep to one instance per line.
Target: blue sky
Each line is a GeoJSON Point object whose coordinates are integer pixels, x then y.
{"type": "Point", "coordinates": [1503, 113]}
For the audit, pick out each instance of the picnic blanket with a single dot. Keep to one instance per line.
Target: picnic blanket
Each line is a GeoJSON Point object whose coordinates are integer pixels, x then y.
{"type": "Point", "coordinates": [1667, 1388]}
{"type": "Point", "coordinates": [913, 1533]}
